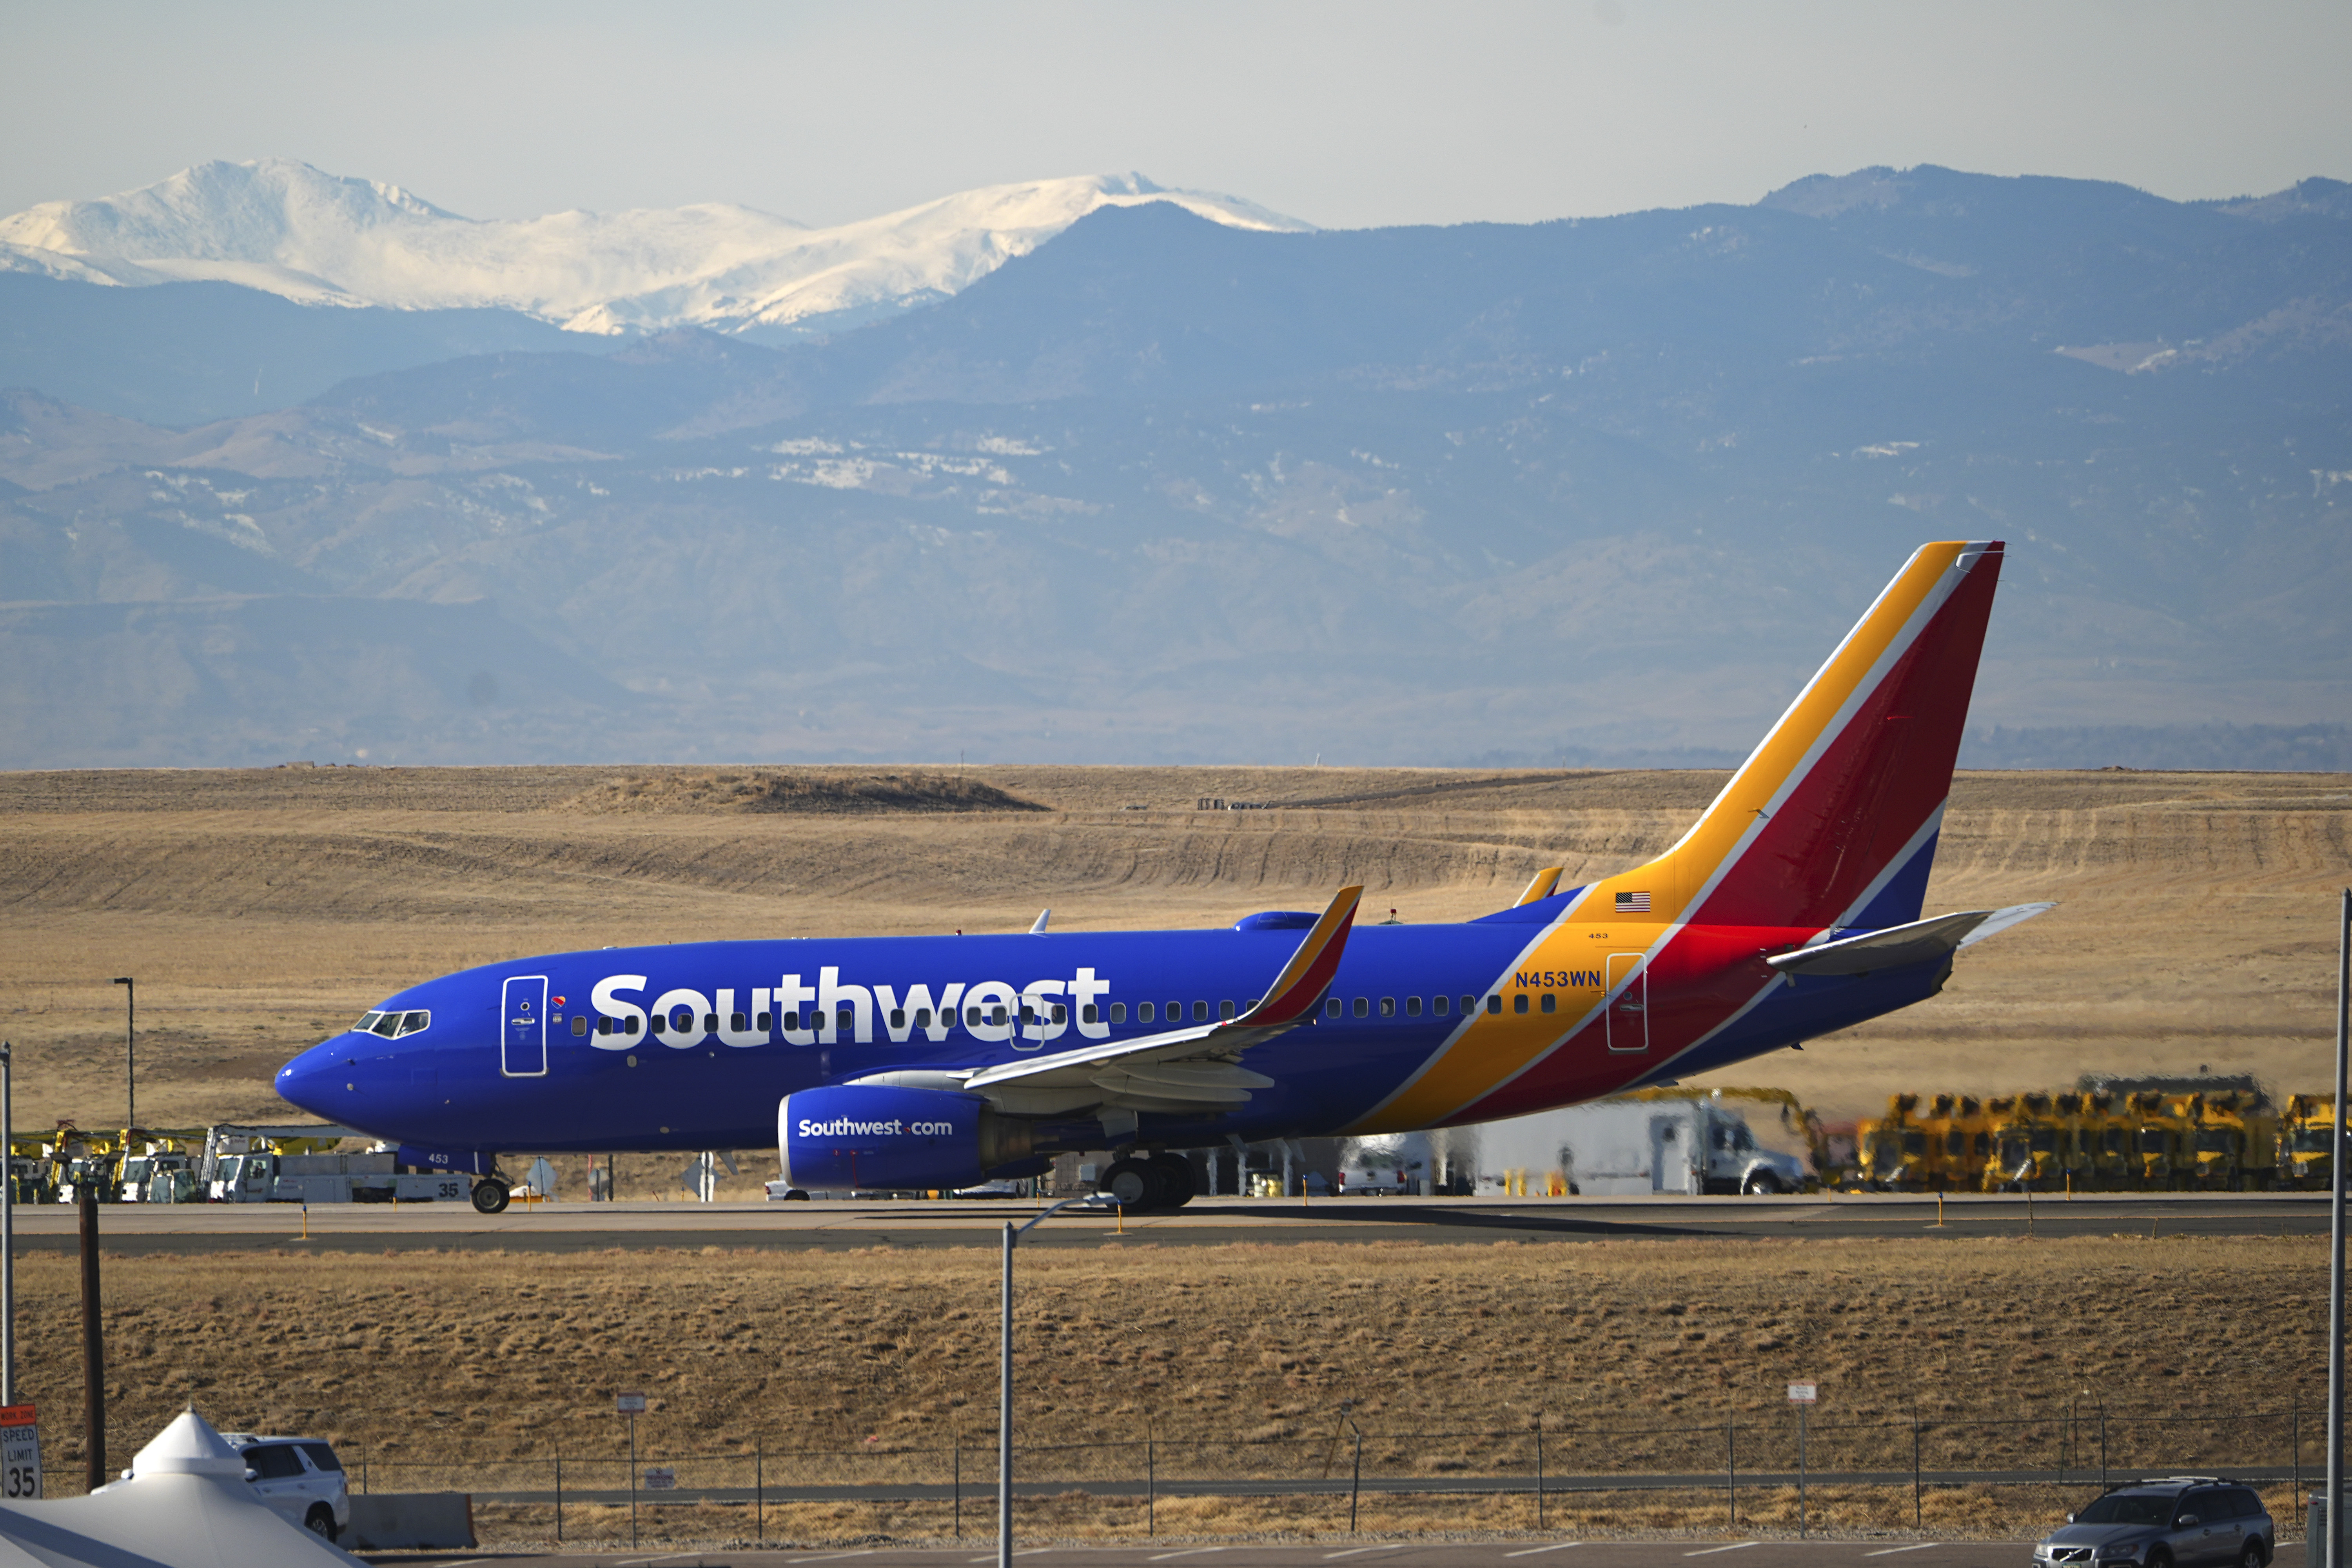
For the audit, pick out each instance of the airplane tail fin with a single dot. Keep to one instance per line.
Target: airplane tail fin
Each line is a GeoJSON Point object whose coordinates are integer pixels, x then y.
{"type": "Point", "coordinates": [1832, 822]}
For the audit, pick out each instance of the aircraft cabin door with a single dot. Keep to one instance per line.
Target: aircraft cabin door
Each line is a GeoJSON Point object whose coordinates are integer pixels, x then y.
{"type": "Point", "coordinates": [522, 1022]}
{"type": "Point", "coordinates": [1629, 1015]}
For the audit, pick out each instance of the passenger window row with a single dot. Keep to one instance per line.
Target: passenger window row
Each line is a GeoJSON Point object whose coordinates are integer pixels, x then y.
{"type": "Point", "coordinates": [1387, 1006]}
{"type": "Point", "coordinates": [682, 1020]}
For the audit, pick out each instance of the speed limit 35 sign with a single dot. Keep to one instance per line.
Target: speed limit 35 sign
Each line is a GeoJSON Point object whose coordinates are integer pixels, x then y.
{"type": "Point", "coordinates": [20, 1452]}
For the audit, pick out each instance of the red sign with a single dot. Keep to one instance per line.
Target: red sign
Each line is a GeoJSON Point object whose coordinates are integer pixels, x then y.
{"type": "Point", "coordinates": [18, 1416]}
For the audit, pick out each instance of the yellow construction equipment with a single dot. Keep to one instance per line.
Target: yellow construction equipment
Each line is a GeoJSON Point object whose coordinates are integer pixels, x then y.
{"type": "Point", "coordinates": [2107, 1140]}
{"type": "Point", "coordinates": [2307, 1141]}
{"type": "Point", "coordinates": [2078, 1119]}
{"type": "Point", "coordinates": [1892, 1155]}
{"type": "Point", "coordinates": [2233, 1142]}
{"type": "Point", "coordinates": [2029, 1145]}
{"type": "Point", "coordinates": [2216, 1134]}
{"type": "Point", "coordinates": [1959, 1140]}
{"type": "Point", "coordinates": [2161, 1139]}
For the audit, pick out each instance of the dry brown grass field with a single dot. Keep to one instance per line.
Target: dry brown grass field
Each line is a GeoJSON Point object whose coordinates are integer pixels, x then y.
{"type": "Point", "coordinates": [259, 909]}
{"type": "Point", "coordinates": [1632, 1354]}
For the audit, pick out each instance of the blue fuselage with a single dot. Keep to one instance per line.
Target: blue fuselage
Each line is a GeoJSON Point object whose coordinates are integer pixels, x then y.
{"type": "Point", "coordinates": [562, 1053]}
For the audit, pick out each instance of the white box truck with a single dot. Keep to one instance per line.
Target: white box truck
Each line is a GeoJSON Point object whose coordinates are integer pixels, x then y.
{"type": "Point", "coordinates": [1622, 1148]}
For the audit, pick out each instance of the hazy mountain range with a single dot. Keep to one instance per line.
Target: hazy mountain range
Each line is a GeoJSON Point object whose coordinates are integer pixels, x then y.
{"type": "Point", "coordinates": [1155, 485]}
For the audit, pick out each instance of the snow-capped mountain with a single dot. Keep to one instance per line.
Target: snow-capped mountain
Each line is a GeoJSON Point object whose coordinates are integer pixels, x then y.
{"type": "Point", "coordinates": [280, 225]}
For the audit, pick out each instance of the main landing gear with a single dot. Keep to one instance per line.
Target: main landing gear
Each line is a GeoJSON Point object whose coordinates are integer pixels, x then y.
{"type": "Point", "coordinates": [491, 1194]}
{"type": "Point", "coordinates": [1148, 1181]}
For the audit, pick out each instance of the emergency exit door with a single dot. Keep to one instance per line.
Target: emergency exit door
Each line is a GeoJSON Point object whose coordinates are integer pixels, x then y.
{"type": "Point", "coordinates": [1629, 1013]}
{"type": "Point", "coordinates": [522, 1010]}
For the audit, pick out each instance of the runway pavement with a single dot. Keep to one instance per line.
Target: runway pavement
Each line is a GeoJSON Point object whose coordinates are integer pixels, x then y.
{"type": "Point", "coordinates": [133, 1229]}
{"type": "Point", "coordinates": [1727, 1551]}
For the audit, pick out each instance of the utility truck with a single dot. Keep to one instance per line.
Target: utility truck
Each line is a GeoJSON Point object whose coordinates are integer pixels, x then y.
{"type": "Point", "coordinates": [261, 1164]}
{"type": "Point", "coordinates": [260, 1176]}
{"type": "Point", "coordinates": [1655, 1140]}
{"type": "Point", "coordinates": [162, 1175]}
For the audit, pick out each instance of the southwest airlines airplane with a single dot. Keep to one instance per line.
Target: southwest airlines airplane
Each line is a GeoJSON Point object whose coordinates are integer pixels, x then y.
{"type": "Point", "coordinates": [1792, 908]}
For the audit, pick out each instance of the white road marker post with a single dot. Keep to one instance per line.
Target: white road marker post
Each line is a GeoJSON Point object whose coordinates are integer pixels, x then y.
{"type": "Point", "coordinates": [1801, 1395]}
{"type": "Point", "coordinates": [631, 1405]}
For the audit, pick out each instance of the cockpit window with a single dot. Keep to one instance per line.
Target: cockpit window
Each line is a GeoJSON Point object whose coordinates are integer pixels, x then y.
{"type": "Point", "coordinates": [415, 1023]}
{"type": "Point", "coordinates": [366, 1023]}
{"type": "Point", "coordinates": [384, 1024]}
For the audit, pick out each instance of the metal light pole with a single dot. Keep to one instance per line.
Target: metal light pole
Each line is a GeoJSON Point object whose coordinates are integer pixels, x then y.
{"type": "Point", "coordinates": [130, 1051]}
{"type": "Point", "coordinates": [93, 1345]}
{"type": "Point", "coordinates": [1004, 1391]}
{"type": "Point", "coordinates": [7, 1228]}
{"type": "Point", "coordinates": [2336, 1163]}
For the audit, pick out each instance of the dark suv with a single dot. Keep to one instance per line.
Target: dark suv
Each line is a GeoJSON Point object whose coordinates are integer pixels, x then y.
{"type": "Point", "coordinates": [2178, 1522]}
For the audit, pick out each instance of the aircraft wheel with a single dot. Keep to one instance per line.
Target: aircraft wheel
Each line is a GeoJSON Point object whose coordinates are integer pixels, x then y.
{"type": "Point", "coordinates": [1178, 1186]}
{"type": "Point", "coordinates": [491, 1195]}
{"type": "Point", "coordinates": [1131, 1183]}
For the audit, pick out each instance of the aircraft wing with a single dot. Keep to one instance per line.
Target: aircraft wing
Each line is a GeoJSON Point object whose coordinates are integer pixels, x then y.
{"type": "Point", "coordinates": [1188, 1069]}
{"type": "Point", "coordinates": [1899, 945]}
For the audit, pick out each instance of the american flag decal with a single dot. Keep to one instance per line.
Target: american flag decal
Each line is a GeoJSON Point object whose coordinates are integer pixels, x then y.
{"type": "Point", "coordinates": [1633, 903]}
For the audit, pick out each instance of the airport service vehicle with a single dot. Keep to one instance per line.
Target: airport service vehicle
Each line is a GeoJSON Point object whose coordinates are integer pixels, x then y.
{"type": "Point", "coordinates": [31, 1178]}
{"type": "Point", "coordinates": [2031, 1145]}
{"type": "Point", "coordinates": [371, 1178]}
{"type": "Point", "coordinates": [1792, 908]}
{"type": "Point", "coordinates": [165, 1177]}
{"type": "Point", "coordinates": [88, 1173]}
{"type": "Point", "coordinates": [1894, 1154]}
{"type": "Point", "coordinates": [2306, 1141]}
{"type": "Point", "coordinates": [2236, 1139]}
{"type": "Point", "coordinates": [1386, 1168]}
{"type": "Point", "coordinates": [1665, 1144]}
{"type": "Point", "coordinates": [1959, 1140]}
{"type": "Point", "coordinates": [297, 1476]}
{"type": "Point", "coordinates": [2177, 1521]}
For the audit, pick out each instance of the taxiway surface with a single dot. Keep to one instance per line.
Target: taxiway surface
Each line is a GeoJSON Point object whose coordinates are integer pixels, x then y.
{"type": "Point", "coordinates": [1208, 1222]}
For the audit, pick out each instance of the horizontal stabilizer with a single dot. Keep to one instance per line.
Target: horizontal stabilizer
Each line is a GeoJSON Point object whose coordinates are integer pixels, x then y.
{"type": "Point", "coordinates": [1898, 945]}
{"type": "Point", "coordinates": [2001, 920]}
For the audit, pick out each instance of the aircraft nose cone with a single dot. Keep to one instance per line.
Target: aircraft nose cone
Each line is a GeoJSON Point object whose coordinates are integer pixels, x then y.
{"type": "Point", "coordinates": [318, 1080]}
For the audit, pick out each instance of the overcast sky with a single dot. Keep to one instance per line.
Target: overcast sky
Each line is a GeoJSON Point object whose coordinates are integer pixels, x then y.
{"type": "Point", "coordinates": [1346, 115]}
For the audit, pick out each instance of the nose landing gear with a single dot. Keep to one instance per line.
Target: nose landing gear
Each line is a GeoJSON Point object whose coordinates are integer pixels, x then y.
{"type": "Point", "coordinates": [1149, 1182]}
{"type": "Point", "coordinates": [492, 1194]}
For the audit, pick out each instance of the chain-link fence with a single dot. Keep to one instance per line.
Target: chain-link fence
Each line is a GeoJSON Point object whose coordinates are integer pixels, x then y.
{"type": "Point", "coordinates": [1968, 1478]}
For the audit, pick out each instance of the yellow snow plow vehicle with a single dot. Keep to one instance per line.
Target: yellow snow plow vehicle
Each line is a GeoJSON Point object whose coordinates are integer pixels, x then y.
{"type": "Point", "coordinates": [2308, 1143]}
{"type": "Point", "coordinates": [1891, 1155]}
{"type": "Point", "coordinates": [2234, 1143]}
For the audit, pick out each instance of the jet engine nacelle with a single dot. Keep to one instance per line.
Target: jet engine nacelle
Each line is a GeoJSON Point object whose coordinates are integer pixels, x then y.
{"type": "Point", "coordinates": [881, 1137]}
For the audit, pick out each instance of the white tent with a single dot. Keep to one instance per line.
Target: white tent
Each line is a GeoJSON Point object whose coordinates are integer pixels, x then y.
{"type": "Point", "coordinates": [183, 1504]}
